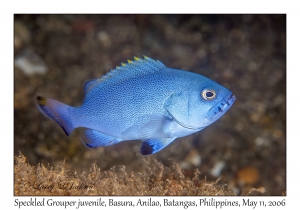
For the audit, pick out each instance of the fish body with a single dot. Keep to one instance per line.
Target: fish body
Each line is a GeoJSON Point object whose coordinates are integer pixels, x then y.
{"type": "Point", "coordinates": [142, 100]}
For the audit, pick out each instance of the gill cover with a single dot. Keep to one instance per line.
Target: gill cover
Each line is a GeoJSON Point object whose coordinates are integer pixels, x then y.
{"type": "Point", "coordinates": [180, 107]}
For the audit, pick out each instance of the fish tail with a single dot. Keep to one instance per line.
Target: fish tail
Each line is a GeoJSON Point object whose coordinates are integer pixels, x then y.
{"type": "Point", "coordinates": [58, 111]}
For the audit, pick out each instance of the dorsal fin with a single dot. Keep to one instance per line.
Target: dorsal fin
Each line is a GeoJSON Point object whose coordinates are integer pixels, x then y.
{"type": "Point", "coordinates": [126, 71]}
{"type": "Point", "coordinates": [134, 68]}
{"type": "Point", "coordinates": [88, 85]}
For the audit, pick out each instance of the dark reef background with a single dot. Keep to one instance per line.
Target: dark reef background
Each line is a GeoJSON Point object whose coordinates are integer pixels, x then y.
{"type": "Point", "coordinates": [56, 54]}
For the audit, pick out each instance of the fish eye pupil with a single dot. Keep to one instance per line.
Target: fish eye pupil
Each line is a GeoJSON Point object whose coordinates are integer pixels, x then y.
{"type": "Point", "coordinates": [209, 94]}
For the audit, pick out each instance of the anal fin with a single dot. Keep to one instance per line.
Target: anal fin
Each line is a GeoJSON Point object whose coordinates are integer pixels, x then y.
{"type": "Point", "coordinates": [151, 146]}
{"type": "Point", "coordinates": [92, 138]}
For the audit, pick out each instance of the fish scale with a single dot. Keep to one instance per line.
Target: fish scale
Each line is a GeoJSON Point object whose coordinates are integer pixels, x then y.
{"type": "Point", "coordinates": [141, 100]}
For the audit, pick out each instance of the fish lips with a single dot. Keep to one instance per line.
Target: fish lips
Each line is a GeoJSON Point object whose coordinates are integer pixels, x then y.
{"type": "Point", "coordinates": [220, 108]}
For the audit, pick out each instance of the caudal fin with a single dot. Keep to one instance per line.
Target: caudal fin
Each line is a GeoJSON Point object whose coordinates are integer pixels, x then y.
{"type": "Point", "coordinates": [59, 112]}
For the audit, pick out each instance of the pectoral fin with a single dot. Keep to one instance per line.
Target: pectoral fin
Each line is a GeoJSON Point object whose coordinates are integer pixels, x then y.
{"type": "Point", "coordinates": [151, 146]}
{"type": "Point", "coordinates": [146, 127]}
{"type": "Point", "coordinates": [92, 138]}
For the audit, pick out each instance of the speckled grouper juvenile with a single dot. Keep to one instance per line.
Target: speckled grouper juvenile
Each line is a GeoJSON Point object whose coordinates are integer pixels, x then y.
{"type": "Point", "coordinates": [141, 100]}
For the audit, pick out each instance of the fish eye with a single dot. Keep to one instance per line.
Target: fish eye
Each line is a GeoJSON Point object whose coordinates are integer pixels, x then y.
{"type": "Point", "coordinates": [208, 94]}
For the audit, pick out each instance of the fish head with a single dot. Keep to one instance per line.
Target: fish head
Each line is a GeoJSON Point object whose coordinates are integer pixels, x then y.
{"type": "Point", "coordinates": [200, 104]}
{"type": "Point", "coordinates": [217, 105]}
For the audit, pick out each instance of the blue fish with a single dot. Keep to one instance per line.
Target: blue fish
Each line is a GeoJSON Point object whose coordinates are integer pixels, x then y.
{"type": "Point", "coordinates": [141, 100]}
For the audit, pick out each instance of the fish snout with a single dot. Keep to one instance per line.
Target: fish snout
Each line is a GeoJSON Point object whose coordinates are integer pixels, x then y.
{"type": "Point", "coordinates": [220, 108]}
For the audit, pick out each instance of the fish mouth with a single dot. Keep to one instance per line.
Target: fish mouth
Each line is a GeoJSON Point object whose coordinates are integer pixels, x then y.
{"type": "Point", "coordinates": [220, 108]}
